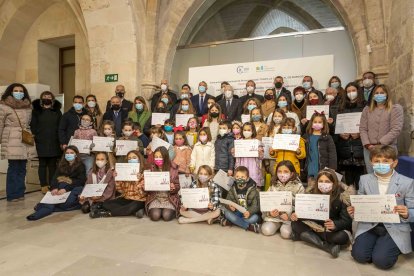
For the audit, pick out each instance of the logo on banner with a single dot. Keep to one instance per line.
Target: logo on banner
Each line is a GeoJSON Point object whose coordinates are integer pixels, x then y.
{"type": "Point", "coordinates": [262, 68]}
{"type": "Point", "coordinates": [241, 69]}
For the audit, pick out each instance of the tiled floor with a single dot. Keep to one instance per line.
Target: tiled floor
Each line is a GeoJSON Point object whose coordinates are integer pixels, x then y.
{"type": "Point", "coordinates": [72, 244]}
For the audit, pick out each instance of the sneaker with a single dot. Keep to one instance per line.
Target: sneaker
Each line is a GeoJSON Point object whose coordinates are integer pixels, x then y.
{"type": "Point", "coordinates": [45, 189]}
{"type": "Point", "coordinates": [96, 205]}
{"type": "Point", "coordinates": [254, 227]}
{"type": "Point", "coordinates": [140, 213]}
{"type": "Point", "coordinates": [100, 214]}
{"type": "Point", "coordinates": [86, 207]}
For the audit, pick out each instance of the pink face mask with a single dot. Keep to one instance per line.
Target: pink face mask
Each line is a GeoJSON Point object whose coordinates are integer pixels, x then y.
{"type": "Point", "coordinates": [283, 177]}
{"type": "Point", "coordinates": [179, 142]}
{"type": "Point", "coordinates": [159, 162]}
{"type": "Point", "coordinates": [203, 138]}
{"type": "Point", "coordinates": [236, 131]}
{"type": "Point", "coordinates": [317, 126]}
{"type": "Point", "coordinates": [192, 125]}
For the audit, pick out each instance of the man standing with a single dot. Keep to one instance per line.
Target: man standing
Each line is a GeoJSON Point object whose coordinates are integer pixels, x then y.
{"type": "Point", "coordinates": [116, 114]}
{"type": "Point", "coordinates": [200, 100]}
{"type": "Point", "coordinates": [230, 106]}
{"type": "Point", "coordinates": [71, 120]}
{"type": "Point", "coordinates": [280, 90]}
{"type": "Point", "coordinates": [368, 81]}
{"type": "Point", "coordinates": [126, 105]}
{"type": "Point", "coordinates": [307, 83]}
{"type": "Point", "coordinates": [164, 90]}
{"type": "Point", "coordinates": [250, 88]}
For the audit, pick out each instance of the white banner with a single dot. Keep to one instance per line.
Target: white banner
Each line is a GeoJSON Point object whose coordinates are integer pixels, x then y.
{"type": "Point", "coordinates": [263, 73]}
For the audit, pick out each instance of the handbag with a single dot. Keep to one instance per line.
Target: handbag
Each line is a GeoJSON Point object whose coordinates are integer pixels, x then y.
{"type": "Point", "coordinates": [27, 136]}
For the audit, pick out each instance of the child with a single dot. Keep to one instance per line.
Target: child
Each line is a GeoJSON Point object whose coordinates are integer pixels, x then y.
{"type": "Point", "coordinates": [251, 104]}
{"type": "Point", "coordinates": [205, 180]}
{"type": "Point", "coordinates": [288, 126]}
{"type": "Point", "coordinates": [285, 105]}
{"type": "Point", "coordinates": [141, 136]}
{"type": "Point", "coordinates": [223, 148]}
{"type": "Point", "coordinates": [381, 243]}
{"type": "Point", "coordinates": [256, 117]}
{"type": "Point", "coordinates": [182, 152]}
{"type": "Point", "coordinates": [169, 130]}
{"type": "Point", "coordinates": [127, 131]}
{"type": "Point", "coordinates": [213, 120]}
{"type": "Point", "coordinates": [204, 152]}
{"type": "Point", "coordinates": [245, 194]}
{"type": "Point", "coordinates": [131, 201]}
{"type": "Point", "coordinates": [312, 99]}
{"type": "Point", "coordinates": [192, 131]}
{"type": "Point", "coordinates": [253, 164]}
{"type": "Point", "coordinates": [70, 177]}
{"type": "Point", "coordinates": [157, 132]}
{"type": "Point", "coordinates": [336, 229]}
{"type": "Point", "coordinates": [102, 173]}
{"type": "Point", "coordinates": [275, 120]}
{"type": "Point", "coordinates": [320, 147]}
{"type": "Point", "coordinates": [86, 132]}
{"type": "Point", "coordinates": [164, 204]}
{"type": "Point", "coordinates": [286, 179]}
{"type": "Point", "coordinates": [107, 129]}
{"type": "Point", "coordinates": [236, 128]}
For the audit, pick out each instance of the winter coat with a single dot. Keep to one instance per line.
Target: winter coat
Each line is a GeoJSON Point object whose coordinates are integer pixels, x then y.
{"type": "Point", "coordinates": [203, 155]}
{"type": "Point", "coordinates": [292, 156]}
{"type": "Point", "coordinates": [76, 177]}
{"type": "Point", "coordinates": [143, 118]}
{"type": "Point", "coordinates": [224, 159]}
{"type": "Point", "coordinates": [68, 124]}
{"type": "Point", "coordinates": [45, 126]}
{"type": "Point", "coordinates": [182, 158]}
{"type": "Point", "coordinates": [252, 197]}
{"type": "Point", "coordinates": [12, 147]}
{"type": "Point", "coordinates": [327, 152]}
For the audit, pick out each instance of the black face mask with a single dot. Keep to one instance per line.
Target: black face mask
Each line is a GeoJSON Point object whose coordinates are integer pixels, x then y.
{"type": "Point", "coordinates": [278, 85]}
{"type": "Point", "coordinates": [160, 110]}
{"type": "Point", "coordinates": [268, 97]}
{"type": "Point", "coordinates": [46, 102]}
{"type": "Point", "coordinates": [214, 114]}
{"type": "Point", "coordinates": [116, 107]}
{"type": "Point", "coordinates": [120, 94]}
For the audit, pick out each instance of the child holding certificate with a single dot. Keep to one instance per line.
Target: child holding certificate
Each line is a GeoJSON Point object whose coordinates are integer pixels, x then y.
{"type": "Point", "coordinates": [131, 201]}
{"type": "Point", "coordinates": [102, 173]}
{"type": "Point", "coordinates": [332, 233]}
{"type": "Point", "coordinates": [70, 177]}
{"type": "Point", "coordinates": [244, 194]}
{"type": "Point", "coordinates": [164, 204]}
{"type": "Point", "coordinates": [382, 243]}
{"type": "Point", "coordinates": [86, 132]}
{"type": "Point", "coordinates": [256, 117]}
{"type": "Point", "coordinates": [192, 131]}
{"type": "Point", "coordinates": [204, 180]}
{"type": "Point", "coordinates": [286, 179]}
{"type": "Point", "coordinates": [182, 152]}
{"type": "Point", "coordinates": [204, 152]}
{"type": "Point", "coordinates": [253, 164]}
{"type": "Point", "coordinates": [157, 132]}
{"type": "Point", "coordinates": [127, 131]}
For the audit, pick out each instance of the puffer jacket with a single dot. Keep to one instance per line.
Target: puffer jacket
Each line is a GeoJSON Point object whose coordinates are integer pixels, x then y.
{"type": "Point", "coordinates": [224, 158]}
{"type": "Point", "coordinates": [12, 147]}
{"type": "Point", "coordinates": [252, 197]}
{"type": "Point", "coordinates": [292, 156]}
{"type": "Point", "coordinates": [203, 155]}
{"type": "Point", "coordinates": [327, 152]}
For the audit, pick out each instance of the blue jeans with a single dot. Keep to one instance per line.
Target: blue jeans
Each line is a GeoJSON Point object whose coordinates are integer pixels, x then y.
{"type": "Point", "coordinates": [237, 218]}
{"type": "Point", "coordinates": [87, 160]}
{"type": "Point", "coordinates": [16, 179]}
{"type": "Point", "coordinates": [376, 248]}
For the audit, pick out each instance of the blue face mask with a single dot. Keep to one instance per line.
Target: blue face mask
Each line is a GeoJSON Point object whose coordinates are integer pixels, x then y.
{"type": "Point", "coordinates": [380, 98]}
{"type": "Point", "coordinates": [184, 96]}
{"type": "Point", "coordinates": [381, 168]}
{"type": "Point", "coordinates": [70, 157]}
{"type": "Point", "coordinates": [139, 106]}
{"type": "Point", "coordinates": [282, 104]}
{"type": "Point", "coordinates": [164, 100]}
{"type": "Point", "coordinates": [133, 161]}
{"type": "Point", "coordinates": [202, 89]}
{"type": "Point", "coordinates": [287, 131]}
{"type": "Point", "coordinates": [335, 84]}
{"type": "Point", "coordinates": [306, 84]}
{"type": "Point", "coordinates": [184, 107]}
{"type": "Point", "coordinates": [77, 106]}
{"type": "Point", "coordinates": [250, 107]}
{"type": "Point", "coordinates": [18, 95]}
{"type": "Point", "coordinates": [256, 118]}
{"type": "Point", "coordinates": [168, 128]}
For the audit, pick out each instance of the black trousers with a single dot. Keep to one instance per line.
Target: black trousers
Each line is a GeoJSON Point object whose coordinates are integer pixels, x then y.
{"type": "Point", "coordinates": [353, 174]}
{"type": "Point", "coordinates": [47, 169]}
{"type": "Point", "coordinates": [123, 207]}
{"type": "Point", "coordinates": [339, 237]}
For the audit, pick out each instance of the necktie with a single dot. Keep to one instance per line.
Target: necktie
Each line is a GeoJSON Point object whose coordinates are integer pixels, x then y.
{"type": "Point", "coordinates": [201, 104]}
{"type": "Point", "coordinates": [228, 104]}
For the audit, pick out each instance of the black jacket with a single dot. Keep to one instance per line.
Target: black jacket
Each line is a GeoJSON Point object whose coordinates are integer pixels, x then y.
{"type": "Point", "coordinates": [110, 116]}
{"type": "Point", "coordinates": [327, 152]}
{"type": "Point", "coordinates": [286, 93]}
{"type": "Point", "coordinates": [224, 158]}
{"type": "Point", "coordinates": [126, 106]}
{"type": "Point", "coordinates": [68, 124]}
{"type": "Point", "coordinates": [235, 110]}
{"type": "Point", "coordinates": [221, 96]}
{"type": "Point", "coordinates": [77, 178]}
{"type": "Point", "coordinates": [45, 126]}
{"type": "Point", "coordinates": [245, 98]}
{"type": "Point", "coordinates": [339, 215]}
{"type": "Point", "coordinates": [195, 100]}
{"type": "Point", "coordinates": [155, 98]}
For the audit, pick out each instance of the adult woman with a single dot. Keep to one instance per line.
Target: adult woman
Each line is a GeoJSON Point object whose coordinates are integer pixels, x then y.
{"type": "Point", "coordinates": [250, 105]}
{"type": "Point", "coordinates": [381, 122]}
{"type": "Point", "coordinates": [335, 82]}
{"type": "Point", "coordinates": [299, 103]}
{"type": "Point", "coordinates": [141, 114]}
{"type": "Point", "coordinates": [213, 120]}
{"type": "Point", "coordinates": [94, 110]}
{"type": "Point", "coordinates": [269, 103]}
{"type": "Point", "coordinates": [46, 116]}
{"type": "Point", "coordinates": [284, 104]}
{"type": "Point", "coordinates": [15, 115]}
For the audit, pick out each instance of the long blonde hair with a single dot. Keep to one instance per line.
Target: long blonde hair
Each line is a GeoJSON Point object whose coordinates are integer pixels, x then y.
{"type": "Point", "coordinates": [388, 101]}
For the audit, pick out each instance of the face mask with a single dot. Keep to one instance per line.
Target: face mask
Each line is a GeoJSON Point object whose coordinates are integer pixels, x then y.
{"type": "Point", "coordinates": [335, 84]}
{"type": "Point", "coordinates": [381, 168]}
{"type": "Point", "coordinates": [18, 95]}
{"type": "Point", "coordinates": [367, 83]}
{"type": "Point", "coordinates": [287, 130]}
{"type": "Point", "coordinates": [164, 100]}
{"type": "Point", "coordinates": [268, 97]}
{"type": "Point", "coordinates": [70, 157]}
{"type": "Point", "coordinates": [116, 107]}
{"type": "Point", "coordinates": [214, 114]}
{"type": "Point", "coordinates": [127, 133]}
{"type": "Point", "coordinates": [120, 94]}
{"type": "Point", "coordinates": [192, 125]}
{"type": "Point", "coordinates": [325, 187]}
{"type": "Point", "coordinates": [250, 89]}
{"type": "Point", "coordinates": [299, 97]}
{"type": "Point", "coordinates": [256, 118]}
{"type": "Point", "coordinates": [46, 102]}
{"type": "Point", "coordinates": [352, 95]}
{"type": "Point", "coordinates": [222, 132]}
{"type": "Point", "coordinates": [184, 96]}
{"type": "Point", "coordinates": [163, 87]}
{"type": "Point", "coordinates": [317, 126]}
{"type": "Point", "coordinates": [179, 142]}
{"type": "Point", "coordinates": [314, 101]}
{"type": "Point", "coordinates": [159, 162]}
{"type": "Point", "coordinates": [100, 164]}
{"type": "Point", "coordinates": [283, 177]}
{"type": "Point", "coordinates": [228, 94]}
{"type": "Point", "coordinates": [247, 134]}
{"type": "Point", "coordinates": [203, 138]}
{"type": "Point", "coordinates": [202, 89]}
{"type": "Point", "coordinates": [77, 106]}
{"type": "Point", "coordinates": [108, 132]}
{"type": "Point", "coordinates": [203, 178]}
{"type": "Point", "coordinates": [380, 98]}
{"type": "Point", "coordinates": [91, 104]}
{"type": "Point", "coordinates": [330, 97]}
{"type": "Point", "coordinates": [240, 182]}
{"type": "Point", "coordinates": [250, 107]}
{"type": "Point", "coordinates": [85, 123]}
{"type": "Point", "coordinates": [134, 161]}
{"type": "Point", "coordinates": [282, 104]}
{"type": "Point", "coordinates": [160, 110]}
{"type": "Point", "coordinates": [168, 128]}
{"type": "Point", "coordinates": [236, 131]}
{"type": "Point", "coordinates": [306, 84]}
{"type": "Point", "coordinates": [278, 84]}
{"type": "Point", "coordinates": [277, 120]}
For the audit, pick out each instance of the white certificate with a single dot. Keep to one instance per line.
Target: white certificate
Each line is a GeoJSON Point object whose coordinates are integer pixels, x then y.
{"type": "Point", "coordinates": [103, 143]}
{"type": "Point", "coordinates": [223, 180]}
{"type": "Point", "coordinates": [286, 142]}
{"type": "Point", "coordinates": [310, 110]}
{"type": "Point", "coordinates": [245, 118]}
{"type": "Point", "coordinates": [159, 118]}
{"type": "Point", "coordinates": [157, 181]}
{"type": "Point", "coordinates": [57, 199]}
{"type": "Point", "coordinates": [127, 171]}
{"type": "Point", "coordinates": [267, 145]}
{"type": "Point", "coordinates": [348, 123]}
{"type": "Point", "coordinates": [375, 208]}
{"type": "Point", "coordinates": [185, 182]}
{"type": "Point", "coordinates": [196, 198]}
{"type": "Point", "coordinates": [125, 146]}
{"type": "Point", "coordinates": [246, 148]}
{"type": "Point", "coordinates": [91, 190]}
{"type": "Point", "coordinates": [182, 119]}
{"type": "Point", "coordinates": [281, 201]}
{"type": "Point", "coordinates": [158, 142]}
{"type": "Point", "coordinates": [84, 146]}
{"type": "Point", "coordinates": [311, 206]}
{"type": "Point", "coordinates": [239, 208]}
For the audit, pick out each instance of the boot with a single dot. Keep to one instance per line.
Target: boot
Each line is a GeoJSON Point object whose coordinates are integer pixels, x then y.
{"type": "Point", "coordinates": [313, 238]}
{"type": "Point", "coordinates": [86, 207]}
{"type": "Point", "coordinates": [140, 213]}
{"type": "Point", "coordinates": [45, 189]}
{"type": "Point", "coordinates": [95, 206]}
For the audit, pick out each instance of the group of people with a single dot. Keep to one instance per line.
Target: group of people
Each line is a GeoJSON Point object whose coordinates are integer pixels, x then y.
{"type": "Point", "coordinates": [205, 145]}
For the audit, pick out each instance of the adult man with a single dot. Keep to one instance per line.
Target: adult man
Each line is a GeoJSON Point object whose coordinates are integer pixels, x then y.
{"type": "Point", "coordinates": [280, 90]}
{"type": "Point", "coordinates": [116, 114]}
{"type": "Point", "coordinates": [221, 96]}
{"type": "Point", "coordinates": [307, 83]}
{"type": "Point", "coordinates": [250, 88]}
{"type": "Point", "coordinates": [164, 90]}
{"type": "Point", "coordinates": [126, 105]}
{"type": "Point", "coordinates": [230, 106]}
{"type": "Point", "coordinates": [199, 101]}
{"type": "Point", "coordinates": [368, 81]}
{"type": "Point", "coordinates": [71, 120]}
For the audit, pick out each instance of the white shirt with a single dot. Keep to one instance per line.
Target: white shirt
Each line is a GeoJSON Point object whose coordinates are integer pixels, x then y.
{"type": "Point", "coordinates": [383, 183]}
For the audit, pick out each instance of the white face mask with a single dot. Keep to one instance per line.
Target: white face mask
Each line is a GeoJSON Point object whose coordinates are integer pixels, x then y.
{"type": "Point", "coordinates": [250, 89]}
{"type": "Point", "coordinates": [222, 132]}
{"type": "Point", "coordinates": [352, 95]}
{"type": "Point", "coordinates": [100, 163]}
{"type": "Point", "coordinates": [91, 104]}
{"type": "Point", "coordinates": [299, 97]}
{"type": "Point", "coordinates": [108, 132]}
{"type": "Point", "coordinates": [228, 94]}
{"type": "Point", "coordinates": [163, 87]}
{"type": "Point", "coordinates": [247, 134]}
{"type": "Point", "coordinates": [330, 97]}
{"type": "Point", "coordinates": [127, 133]}
{"type": "Point", "coordinates": [367, 83]}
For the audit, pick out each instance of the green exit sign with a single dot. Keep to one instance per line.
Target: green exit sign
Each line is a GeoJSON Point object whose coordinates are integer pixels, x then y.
{"type": "Point", "coordinates": [111, 78]}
